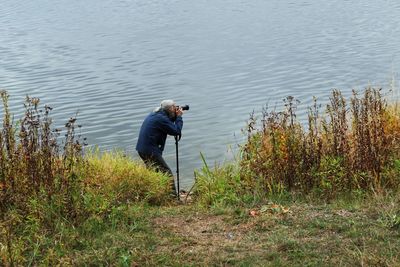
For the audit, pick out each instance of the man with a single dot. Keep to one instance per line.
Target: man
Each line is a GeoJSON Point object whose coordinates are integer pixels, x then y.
{"type": "Point", "coordinates": [164, 120]}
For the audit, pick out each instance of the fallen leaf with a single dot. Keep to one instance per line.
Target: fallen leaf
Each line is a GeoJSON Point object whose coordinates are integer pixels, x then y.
{"type": "Point", "coordinates": [285, 210]}
{"type": "Point", "coordinates": [253, 213]}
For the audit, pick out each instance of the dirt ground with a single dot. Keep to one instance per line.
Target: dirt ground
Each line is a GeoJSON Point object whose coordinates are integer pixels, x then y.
{"type": "Point", "coordinates": [274, 235]}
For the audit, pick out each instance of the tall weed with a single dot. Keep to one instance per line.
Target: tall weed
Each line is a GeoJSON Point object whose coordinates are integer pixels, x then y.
{"type": "Point", "coordinates": [49, 188]}
{"type": "Point", "coordinates": [350, 146]}
{"type": "Point", "coordinates": [346, 148]}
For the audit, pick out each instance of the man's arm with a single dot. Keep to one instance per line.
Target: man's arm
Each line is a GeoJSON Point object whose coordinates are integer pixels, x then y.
{"type": "Point", "coordinates": [172, 128]}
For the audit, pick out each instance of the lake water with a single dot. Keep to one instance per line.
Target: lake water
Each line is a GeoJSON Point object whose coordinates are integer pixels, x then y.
{"type": "Point", "coordinates": [115, 60]}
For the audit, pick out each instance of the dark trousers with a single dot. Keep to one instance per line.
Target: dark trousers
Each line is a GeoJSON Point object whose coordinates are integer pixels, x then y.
{"type": "Point", "coordinates": [157, 162]}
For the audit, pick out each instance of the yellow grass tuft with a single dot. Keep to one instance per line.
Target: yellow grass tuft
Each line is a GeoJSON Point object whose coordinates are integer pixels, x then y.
{"type": "Point", "coordinates": [126, 179]}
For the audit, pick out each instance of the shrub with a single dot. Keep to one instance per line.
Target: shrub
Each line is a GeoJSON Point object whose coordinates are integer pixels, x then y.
{"type": "Point", "coordinates": [48, 188]}
{"type": "Point", "coordinates": [347, 148]}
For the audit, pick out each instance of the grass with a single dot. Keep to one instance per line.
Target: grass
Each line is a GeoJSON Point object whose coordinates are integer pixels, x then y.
{"type": "Point", "coordinates": [295, 197]}
{"type": "Point", "coordinates": [108, 221]}
{"type": "Point", "coordinates": [346, 148]}
{"type": "Point", "coordinates": [116, 173]}
{"type": "Point", "coordinates": [55, 199]}
{"type": "Point", "coordinates": [344, 234]}
{"type": "Point", "coordinates": [309, 234]}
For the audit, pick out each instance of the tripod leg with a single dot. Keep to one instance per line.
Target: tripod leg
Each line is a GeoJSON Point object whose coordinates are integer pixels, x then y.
{"type": "Point", "coordinates": [177, 165]}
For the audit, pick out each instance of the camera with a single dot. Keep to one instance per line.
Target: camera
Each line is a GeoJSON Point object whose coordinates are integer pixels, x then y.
{"type": "Point", "coordinates": [184, 107]}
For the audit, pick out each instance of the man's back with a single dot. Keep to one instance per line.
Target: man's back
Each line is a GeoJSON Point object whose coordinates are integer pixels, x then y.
{"type": "Point", "coordinates": [154, 130]}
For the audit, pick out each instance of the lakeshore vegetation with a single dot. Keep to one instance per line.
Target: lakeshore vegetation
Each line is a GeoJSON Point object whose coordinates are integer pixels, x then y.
{"type": "Point", "coordinates": [324, 191]}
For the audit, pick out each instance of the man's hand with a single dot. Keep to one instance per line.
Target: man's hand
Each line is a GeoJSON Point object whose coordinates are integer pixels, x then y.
{"type": "Point", "coordinates": [179, 111]}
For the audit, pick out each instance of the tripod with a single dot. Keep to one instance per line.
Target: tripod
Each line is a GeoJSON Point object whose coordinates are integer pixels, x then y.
{"type": "Point", "coordinates": [177, 138]}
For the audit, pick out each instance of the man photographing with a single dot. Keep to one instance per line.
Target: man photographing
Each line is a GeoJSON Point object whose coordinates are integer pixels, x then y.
{"type": "Point", "coordinates": [164, 120]}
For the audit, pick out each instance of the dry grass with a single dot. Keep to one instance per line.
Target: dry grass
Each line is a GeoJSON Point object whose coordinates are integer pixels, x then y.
{"type": "Point", "coordinates": [49, 189]}
{"type": "Point", "coordinates": [117, 176]}
{"type": "Point", "coordinates": [347, 147]}
{"type": "Point", "coordinates": [59, 208]}
{"type": "Point", "coordinates": [307, 235]}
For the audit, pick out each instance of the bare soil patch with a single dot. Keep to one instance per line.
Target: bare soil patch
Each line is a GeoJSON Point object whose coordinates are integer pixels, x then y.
{"type": "Point", "coordinates": [205, 238]}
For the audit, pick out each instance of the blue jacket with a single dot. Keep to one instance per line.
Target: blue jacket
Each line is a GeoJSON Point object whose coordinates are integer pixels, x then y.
{"type": "Point", "coordinates": [154, 131]}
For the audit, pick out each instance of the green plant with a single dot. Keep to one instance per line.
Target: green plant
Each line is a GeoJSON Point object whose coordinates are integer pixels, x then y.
{"type": "Point", "coordinates": [217, 186]}
{"type": "Point", "coordinates": [344, 149]}
{"type": "Point", "coordinates": [51, 195]}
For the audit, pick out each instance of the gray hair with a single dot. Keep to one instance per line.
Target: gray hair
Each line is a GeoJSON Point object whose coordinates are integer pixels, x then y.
{"type": "Point", "coordinates": [165, 105]}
